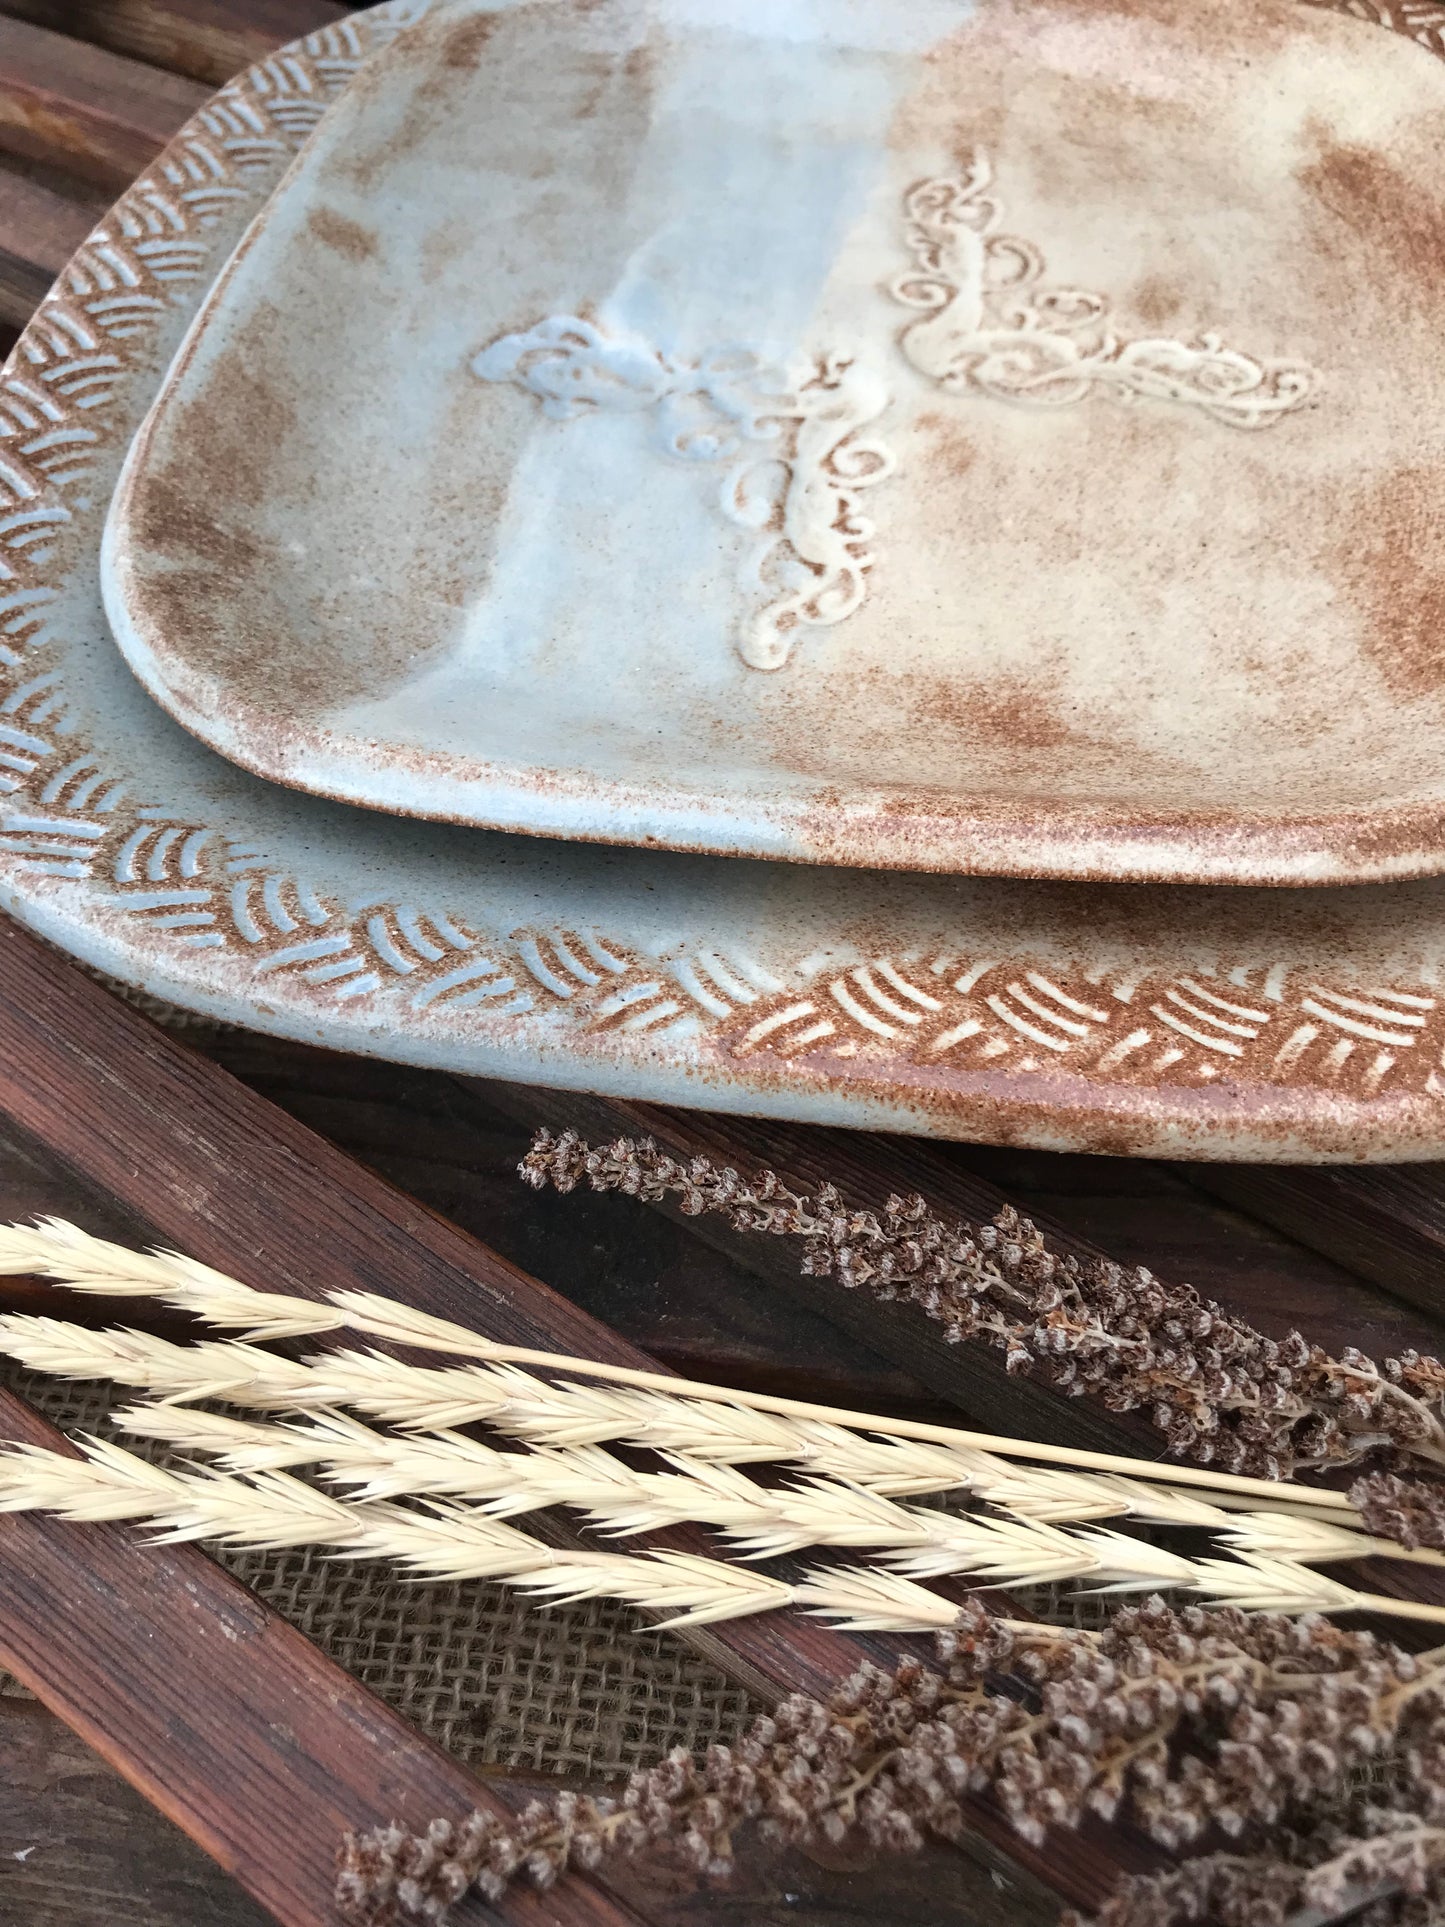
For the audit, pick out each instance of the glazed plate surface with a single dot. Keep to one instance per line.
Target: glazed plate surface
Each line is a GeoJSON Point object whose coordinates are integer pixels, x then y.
{"type": "Point", "coordinates": [1004, 437]}
{"type": "Point", "coordinates": [1190, 1022]}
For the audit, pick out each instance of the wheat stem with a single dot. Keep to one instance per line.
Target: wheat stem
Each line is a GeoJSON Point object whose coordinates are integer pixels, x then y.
{"type": "Point", "coordinates": [565, 1421]}
{"type": "Point", "coordinates": [445, 1541]}
{"type": "Point", "coordinates": [761, 1521]}
{"type": "Point", "coordinates": [60, 1251]}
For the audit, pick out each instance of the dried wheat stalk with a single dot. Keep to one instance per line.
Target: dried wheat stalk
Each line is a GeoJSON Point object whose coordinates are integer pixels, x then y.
{"type": "Point", "coordinates": [822, 1512]}
{"type": "Point", "coordinates": [271, 1509]}
{"type": "Point", "coordinates": [445, 1540]}
{"type": "Point", "coordinates": [762, 1521]}
{"type": "Point", "coordinates": [521, 1405]}
{"type": "Point", "coordinates": [711, 1421]}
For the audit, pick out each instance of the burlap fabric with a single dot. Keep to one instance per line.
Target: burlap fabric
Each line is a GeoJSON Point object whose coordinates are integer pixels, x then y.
{"type": "Point", "coordinates": [581, 1690]}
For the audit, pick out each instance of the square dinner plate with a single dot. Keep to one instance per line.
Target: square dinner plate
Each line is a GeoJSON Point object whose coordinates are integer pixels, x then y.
{"type": "Point", "coordinates": [977, 435]}
{"type": "Point", "coordinates": [1167, 1020]}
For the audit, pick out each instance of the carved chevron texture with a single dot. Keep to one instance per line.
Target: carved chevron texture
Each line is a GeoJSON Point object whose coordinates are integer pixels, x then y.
{"type": "Point", "coordinates": [1422, 20]}
{"type": "Point", "coordinates": [1269, 1024]}
{"type": "Point", "coordinates": [69, 819]}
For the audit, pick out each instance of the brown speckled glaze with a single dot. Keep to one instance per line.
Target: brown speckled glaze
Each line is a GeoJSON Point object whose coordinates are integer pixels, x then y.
{"type": "Point", "coordinates": [994, 439]}
{"type": "Point", "coordinates": [1183, 1021]}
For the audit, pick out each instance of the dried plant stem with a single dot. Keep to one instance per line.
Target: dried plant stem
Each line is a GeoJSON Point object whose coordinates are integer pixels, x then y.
{"type": "Point", "coordinates": [272, 1510]}
{"type": "Point", "coordinates": [1399, 1861]}
{"type": "Point", "coordinates": [1222, 1392]}
{"type": "Point", "coordinates": [72, 1258]}
{"type": "Point", "coordinates": [444, 1540]}
{"type": "Point", "coordinates": [1195, 1723]}
{"type": "Point", "coordinates": [762, 1521]}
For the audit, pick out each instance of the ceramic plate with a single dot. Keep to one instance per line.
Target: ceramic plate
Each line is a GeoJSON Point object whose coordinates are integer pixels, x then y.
{"type": "Point", "coordinates": [996, 436]}
{"type": "Point", "coordinates": [1189, 1022]}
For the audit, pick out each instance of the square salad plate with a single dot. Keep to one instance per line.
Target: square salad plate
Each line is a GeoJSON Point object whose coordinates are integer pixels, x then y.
{"type": "Point", "coordinates": [1172, 1020]}
{"type": "Point", "coordinates": [992, 436]}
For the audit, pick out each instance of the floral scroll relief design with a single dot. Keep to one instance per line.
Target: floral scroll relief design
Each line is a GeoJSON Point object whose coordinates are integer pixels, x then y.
{"type": "Point", "coordinates": [987, 324]}
{"type": "Point", "coordinates": [789, 433]}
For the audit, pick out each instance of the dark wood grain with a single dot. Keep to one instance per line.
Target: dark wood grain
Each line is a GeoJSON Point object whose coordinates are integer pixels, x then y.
{"type": "Point", "coordinates": [206, 40]}
{"type": "Point", "coordinates": [79, 1847]}
{"type": "Point", "coordinates": [652, 1280]}
{"type": "Point", "coordinates": [226, 1719]}
{"type": "Point", "coordinates": [1387, 1222]}
{"type": "Point", "coordinates": [240, 1185]}
{"type": "Point", "coordinates": [39, 231]}
{"type": "Point", "coordinates": [84, 108]}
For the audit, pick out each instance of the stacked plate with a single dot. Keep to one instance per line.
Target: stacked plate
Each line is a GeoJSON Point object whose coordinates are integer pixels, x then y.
{"type": "Point", "coordinates": [842, 562]}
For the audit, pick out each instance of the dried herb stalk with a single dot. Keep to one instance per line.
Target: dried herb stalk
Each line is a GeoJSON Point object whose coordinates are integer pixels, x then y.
{"type": "Point", "coordinates": [1189, 1721]}
{"type": "Point", "coordinates": [1222, 1393]}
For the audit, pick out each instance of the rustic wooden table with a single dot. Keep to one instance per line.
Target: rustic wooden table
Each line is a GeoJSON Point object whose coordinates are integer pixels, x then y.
{"type": "Point", "coordinates": [89, 92]}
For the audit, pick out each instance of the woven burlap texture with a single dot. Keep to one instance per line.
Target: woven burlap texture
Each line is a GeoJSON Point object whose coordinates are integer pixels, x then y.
{"type": "Point", "coordinates": [581, 1690]}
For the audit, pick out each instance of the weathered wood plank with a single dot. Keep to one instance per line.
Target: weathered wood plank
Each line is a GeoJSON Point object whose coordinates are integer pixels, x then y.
{"type": "Point", "coordinates": [206, 40]}
{"type": "Point", "coordinates": [652, 1280]}
{"type": "Point", "coordinates": [78, 1845]}
{"type": "Point", "coordinates": [222, 1715]}
{"type": "Point", "coordinates": [239, 1184]}
{"type": "Point", "coordinates": [39, 231]}
{"type": "Point", "coordinates": [1386, 1222]}
{"type": "Point", "coordinates": [86, 109]}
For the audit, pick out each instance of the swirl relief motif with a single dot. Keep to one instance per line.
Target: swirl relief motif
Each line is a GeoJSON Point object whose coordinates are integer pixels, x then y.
{"type": "Point", "coordinates": [788, 434]}
{"type": "Point", "coordinates": [791, 435]}
{"type": "Point", "coordinates": [989, 325]}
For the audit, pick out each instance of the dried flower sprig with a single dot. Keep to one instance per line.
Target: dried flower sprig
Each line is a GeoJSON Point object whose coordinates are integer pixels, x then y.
{"type": "Point", "coordinates": [1221, 1392]}
{"type": "Point", "coordinates": [1385, 1860]}
{"type": "Point", "coordinates": [1264, 1716]}
{"type": "Point", "coordinates": [738, 1427]}
{"type": "Point", "coordinates": [1409, 1511]}
{"type": "Point", "coordinates": [446, 1540]}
